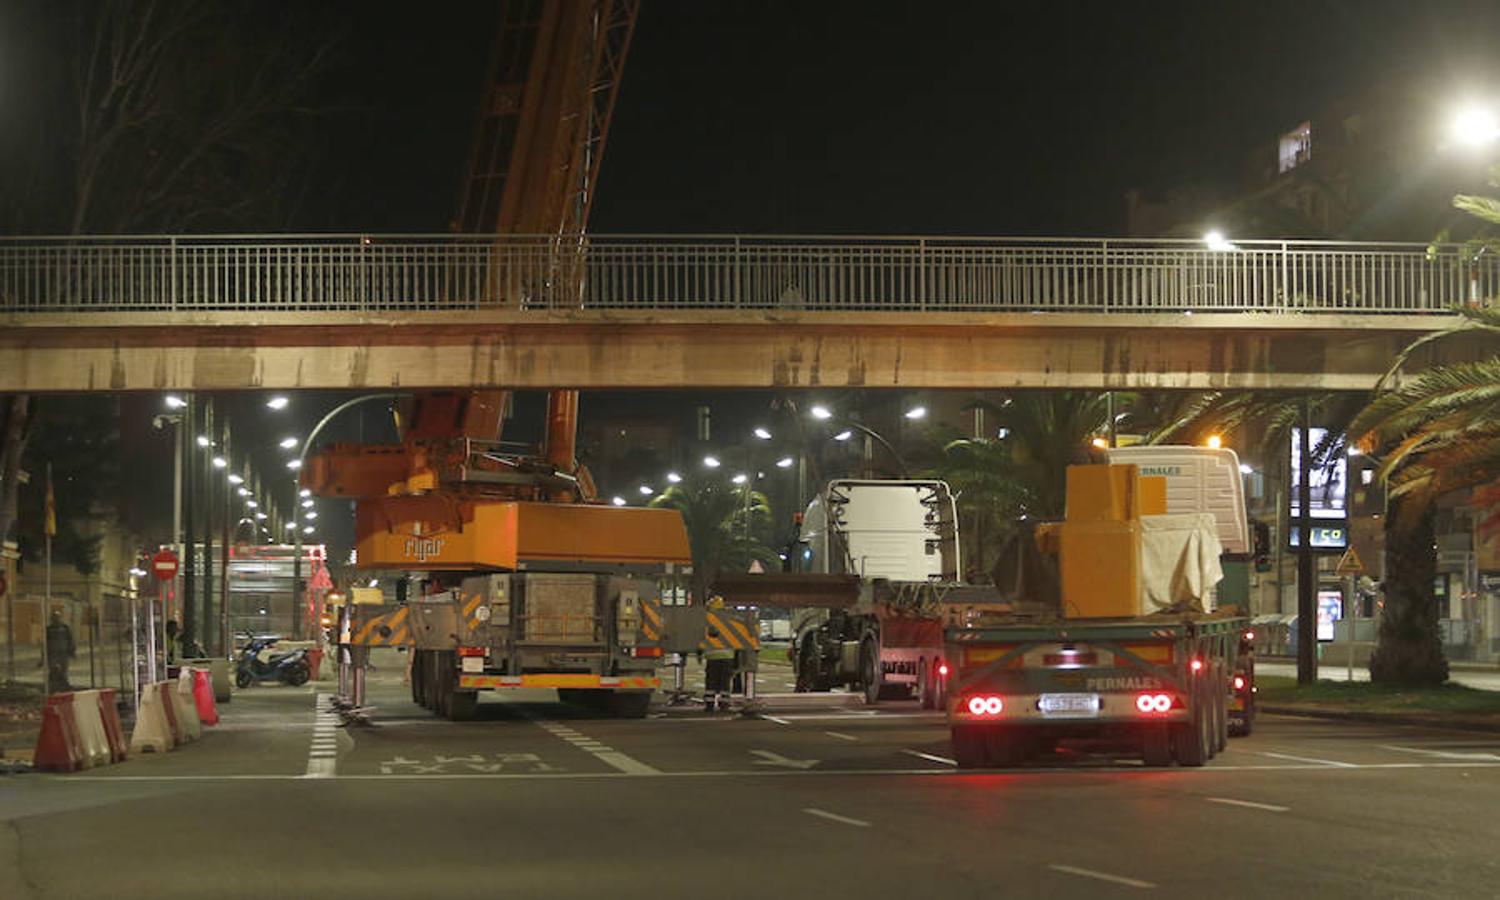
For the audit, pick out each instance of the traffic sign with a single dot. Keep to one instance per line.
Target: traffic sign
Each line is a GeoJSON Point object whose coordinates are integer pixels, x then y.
{"type": "Point", "coordinates": [164, 564]}
{"type": "Point", "coordinates": [1349, 564]}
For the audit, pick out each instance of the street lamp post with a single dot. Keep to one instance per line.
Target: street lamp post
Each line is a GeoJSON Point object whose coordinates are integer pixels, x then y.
{"type": "Point", "coordinates": [297, 506]}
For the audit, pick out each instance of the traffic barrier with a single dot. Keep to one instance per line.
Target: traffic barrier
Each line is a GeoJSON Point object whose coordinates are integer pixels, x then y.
{"type": "Point", "coordinates": [92, 737]}
{"type": "Point", "coordinates": [58, 747]}
{"type": "Point", "coordinates": [109, 714]}
{"type": "Point", "coordinates": [154, 726]}
{"type": "Point", "coordinates": [187, 708]}
{"type": "Point", "coordinates": [203, 696]}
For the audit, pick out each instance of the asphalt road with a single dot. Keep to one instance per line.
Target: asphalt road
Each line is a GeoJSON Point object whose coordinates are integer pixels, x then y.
{"type": "Point", "coordinates": [826, 799]}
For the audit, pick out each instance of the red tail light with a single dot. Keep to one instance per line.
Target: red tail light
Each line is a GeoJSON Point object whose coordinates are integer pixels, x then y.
{"type": "Point", "coordinates": [1197, 665]}
{"type": "Point", "coordinates": [942, 670]}
{"type": "Point", "coordinates": [470, 651]}
{"type": "Point", "coordinates": [986, 706]}
{"type": "Point", "coordinates": [1249, 635]}
{"type": "Point", "coordinates": [1239, 682]}
{"type": "Point", "coordinates": [1153, 703]}
{"type": "Point", "coordinates": [646, 652]}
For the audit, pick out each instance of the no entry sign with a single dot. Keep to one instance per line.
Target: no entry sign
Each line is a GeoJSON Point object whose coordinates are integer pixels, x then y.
{"type": "Point", "coordinates": [164, 564]}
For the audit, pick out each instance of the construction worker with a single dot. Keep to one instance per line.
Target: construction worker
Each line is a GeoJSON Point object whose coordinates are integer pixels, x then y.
{"type": "Point", "coordinates": [60, 650]}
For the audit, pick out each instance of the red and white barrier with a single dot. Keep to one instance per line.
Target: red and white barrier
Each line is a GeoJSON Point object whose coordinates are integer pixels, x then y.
{"type": "Point", "coordinates": [81, 729]}
{"type": "Point", "coordinates": [203, 697]}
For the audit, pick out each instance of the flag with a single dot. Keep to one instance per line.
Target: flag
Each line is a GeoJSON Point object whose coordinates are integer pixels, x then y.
{"type": "Point", "coordinates": [50, 525]}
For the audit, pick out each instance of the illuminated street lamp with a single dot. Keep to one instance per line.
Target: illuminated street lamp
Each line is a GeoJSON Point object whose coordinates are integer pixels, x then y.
{"type": "Point", "coordinates": [821, 412]}
{"type": "Point", "coordinates": [740, 478]}
{"type": "Point", "coordinates": [1217, 242]}
{"type": "Point", "coordinates": [294, 464]}
{"type": "Point", "coordinates": [175, 402]}
{"type": "Point", "coordinates": [1214, 442]}
{"type": "Point", "coordinates": [277, 402]}
{"type": "Point", "coordinates": [1475, 126]}
{"type": "Point", "coordinates": [646, 490]}
{"type": "Point", "coordinates": [785, 462]}
{"type": "Point", "coordinates": [673, 477]}
{"type": "Point", "coordinates": [844, 435]}
{"type": "Point", "coordinates": [711, 461]}
{"type": "Point", "coordinates": [618, 501]}
{"type": "Point", "coordinates": [288, 443]}
{"type": "Point", "coordinates": [220, 462]}
{"type": "Point", "coordinates": [762, 433]}
{"type": "Point", "coordinates": [916, 412]}
{"type": "Point", "coordinates": [236, 479]}
{"type": "Point", "coordinates": [307, 504]}
{"type": "Point", "coordinates": [203, 440]}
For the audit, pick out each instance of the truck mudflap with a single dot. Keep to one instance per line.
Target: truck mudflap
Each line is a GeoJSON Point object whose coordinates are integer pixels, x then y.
{"type": "Point", "coordinates": [566, 680]}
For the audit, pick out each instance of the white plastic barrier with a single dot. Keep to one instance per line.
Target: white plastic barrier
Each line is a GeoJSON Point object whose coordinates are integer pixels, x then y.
{"type": "Point", "coordinates": [153, 731]}
{"type": "Point", "coordinates": [187, 706]}
{"type": "Point", "coordinates": [90, 725]}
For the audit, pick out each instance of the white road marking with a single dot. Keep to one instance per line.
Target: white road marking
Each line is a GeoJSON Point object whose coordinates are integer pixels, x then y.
{"type": "Point", "coordinates": [1443, 754]}
{"type": "Point", "coordinates": [841, 736]}
{"type": "Point", "coordinates": [322, 755]}
{"type": "Point", "coordinates": [1269, 807]}
{"type": "Point", "coordinates": [778, 720]}
{"type": "Point", "coordinates": [1047, 771]}
{"type": "Point", "coordinates": [835, 817]}
{"type": "Point", "coordinates": [599, 751]}
{"type": "Point", "coordinates": [1309, 759]}
{"type": "Point", "coordinates": [767, 758]}
{"type": "Point", "coordinates": [1102, 876]}
{"type": "Point", "coordinates": [937, 759]}
{"type": "Point", "coordinates": [852, 716]}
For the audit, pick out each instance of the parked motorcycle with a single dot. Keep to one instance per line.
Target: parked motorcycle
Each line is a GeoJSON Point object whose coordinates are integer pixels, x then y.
{"type": "Point", "coordinates": [290, 668]}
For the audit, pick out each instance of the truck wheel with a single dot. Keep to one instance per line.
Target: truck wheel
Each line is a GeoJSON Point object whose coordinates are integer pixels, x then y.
{"type": "Point", "coordinates": [869, 670]}
{"type": "Point", "coordinates": [462, 705]}
{"type": "Point", "coordinates": [1156, 746]}
{"type": "Point", "coordinates": [630, 704]}
{"type": "Point", "coordinates": [416, 677]}
{"type": "Point", "coordinates": [1221, 714]}
{"type": "Point", "coordinates": [1007, 747]}
{"type": "Point", "coordinates": [1190, 738]}
{"type": "Point", "coordinates": [970, 749]}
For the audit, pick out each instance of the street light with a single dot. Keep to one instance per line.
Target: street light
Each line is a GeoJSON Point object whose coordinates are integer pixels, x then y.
{"type": "Point", "coordinates": [203, 441]}
{"type": "Point", "coordinates": [785, 462]}
{"type": "Point", "coordinates": [220, 462]}
{"type": "Point", "coordinates": [673, 477]}
{"type": "Point", "coordinates": [646, 490]}
{"type": "Point", "coordinates": [175, 402]}
{"type": "Point", "coordinates": [740, 478]}
{"type": "Point", "coordinates": [288, 443]}
{"type": "Point", "coordinates": [310, 515]}
{"type": "Point", "coordinates": [304, 493]}
{"type": "Point", "coordinates": [236, 479]}
{"type": "Point", "coordinates": [1475, 126]}
{"type": "Point", "coordinates": [251, 504]}
{"type": "Point", "coordinates": [243, 492]}
{"type": "Point", "coordinates": [763, 434]}
{"type": "Point", "coordinates": [1217, 242]}
{"type": "Point", "coordinates": [294, 464]}
{"type": "Point", "coordinates": [844, 435]}
{"type": "Point", "coordinates": [1214, 442]}
{"type": "Point", "coordinates": [307, 504]}
{"type": "Point", "coordinates": [916, 412]}
{"type": "Point", "coordinates": [821, 412]}
{"type": "Point", "coordinates": [618, 501]}
{"type": "Point", "coordinates": [277, 402]}
{"type": "Point", "coordinates": [711, 461]}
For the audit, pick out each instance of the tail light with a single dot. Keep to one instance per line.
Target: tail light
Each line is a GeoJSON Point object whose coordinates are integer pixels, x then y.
{"type": "Point", "coordinates": [1249, 635]}
{"type": "Point", "coordinates": [942, 670]}
{"type": "Point", "coordinates": [470, 651]}
{"type": "Point", "coordinates": [986, 706]}
{"type": "Point", "coordinates": [1239, 683]}
{"type": "Point", "coordinates": [1197, 665]}
{"type": "Point", "coordinates": [1153, 703]}
{"type": "Point", "coordinates": [646, 652]}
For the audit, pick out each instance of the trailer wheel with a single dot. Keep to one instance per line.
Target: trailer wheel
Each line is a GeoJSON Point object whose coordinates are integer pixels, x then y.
{"type": "Point", "coordinates": [1190, 738]}
{"type": "Point", "coordinates": [629, 704]}
{"type": "Point", "coordinates": [1221, 713]}
{"type": "Point", "coordinates": [869, 669]}
{"type": "Point", "coordinates": [1007, 747]}
{"type": "Point", "coordinates": [970, 748]}
{"type": "Point", "coordinates": [416, 677]}
{"type": "Point", "coordinates": [1156, 746]}
{"type": "Point", "coordinates": [462, 705]}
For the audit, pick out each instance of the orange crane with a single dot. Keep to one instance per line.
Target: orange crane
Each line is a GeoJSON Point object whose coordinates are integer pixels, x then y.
{"type": "Point", "coordinates": [529, 584]}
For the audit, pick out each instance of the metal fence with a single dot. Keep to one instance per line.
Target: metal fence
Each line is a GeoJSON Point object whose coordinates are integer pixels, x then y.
{"type": "Point", "coordinates": [328, 273]}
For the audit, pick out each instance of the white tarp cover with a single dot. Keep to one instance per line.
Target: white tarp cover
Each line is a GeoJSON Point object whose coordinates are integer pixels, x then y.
{"type": "Point", "coordinates": [1179, 562]}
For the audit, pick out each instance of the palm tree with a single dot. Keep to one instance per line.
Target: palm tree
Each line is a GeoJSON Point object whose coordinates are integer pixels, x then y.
{"type": "Point", "coordinates": [1046, 432]}
{"type": "Point", "coordinates": [727, 526]}
{"type": "Point", "coordinates": [988, 493]}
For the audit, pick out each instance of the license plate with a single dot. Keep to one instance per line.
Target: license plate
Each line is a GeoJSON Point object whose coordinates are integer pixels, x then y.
{"type": "Point", "coordinates": [472, 664]}
{"type": "Point", "coordinates": [1069, 705]}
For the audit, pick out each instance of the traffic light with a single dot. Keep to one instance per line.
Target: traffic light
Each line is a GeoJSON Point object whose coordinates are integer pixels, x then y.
{"type": "Point", "coordinates": [1262, 546]}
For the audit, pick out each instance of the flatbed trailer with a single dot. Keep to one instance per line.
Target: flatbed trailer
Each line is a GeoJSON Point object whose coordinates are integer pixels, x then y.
{"type": "Point", "coordinates": [1170, 686]}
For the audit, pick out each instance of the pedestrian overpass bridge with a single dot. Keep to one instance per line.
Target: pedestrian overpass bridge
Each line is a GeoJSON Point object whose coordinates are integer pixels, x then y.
{"type": "Point", "coordinates": [381, 311]}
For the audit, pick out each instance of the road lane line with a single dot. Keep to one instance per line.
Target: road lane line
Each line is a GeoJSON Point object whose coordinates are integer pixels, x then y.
{"type": "Point", "coordinates": [599, 751]}
{"type": "Point", "coordinates": [1443, 754]}
{"type": "Point", "coordinates": [777, 719]}
{"type": "Point", "coordinates": [835, 817]}
{"type": "Point", "coordinates": [937, 759]}
{"type": "Point", "coordinates": [1102, 876]}
{"type": "Point", "coordinates": [322, 754]}
{"type": "Point", "coordinates": [1308, 759]}
{"type": "Point", "coordinates": [841, 736]}
{"type": "Point", "coordinates": [1269, 807]}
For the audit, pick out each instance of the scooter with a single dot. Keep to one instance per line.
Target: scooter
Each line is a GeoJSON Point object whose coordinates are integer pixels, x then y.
{"type": "Point", "coordinates": [289, 668]}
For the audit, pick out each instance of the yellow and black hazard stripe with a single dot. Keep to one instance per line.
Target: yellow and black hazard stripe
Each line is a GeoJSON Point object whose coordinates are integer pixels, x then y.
{"type": "Point", "coordinates": [470, 608]}
{"type": "Point", "coordinates": [651, 628]}
{"type": "Point", "coordinates": [385, 630]}
{"type": "Point", "coordinates": [725, 632]}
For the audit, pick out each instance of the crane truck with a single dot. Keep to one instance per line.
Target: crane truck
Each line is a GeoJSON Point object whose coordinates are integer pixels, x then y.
{"type": "Point", "coordinates": [1136, 654]}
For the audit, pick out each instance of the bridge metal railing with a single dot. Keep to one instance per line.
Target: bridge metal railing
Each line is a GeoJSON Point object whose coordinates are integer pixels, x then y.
{"type": "Point", "coordinates": [332, 273]}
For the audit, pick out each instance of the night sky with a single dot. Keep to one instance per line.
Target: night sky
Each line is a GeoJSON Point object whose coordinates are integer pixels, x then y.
{"type": "Point", "coordinates": [993, 118]}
